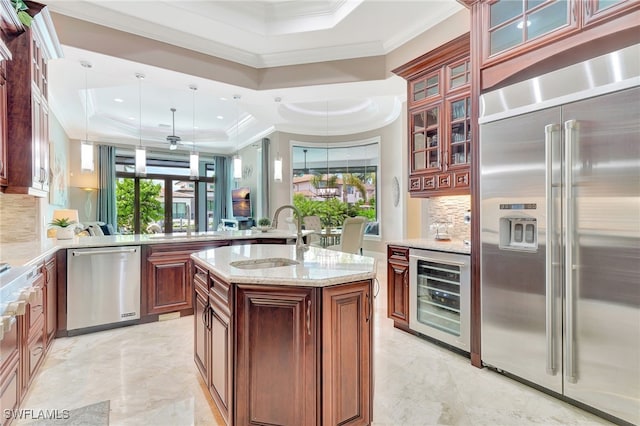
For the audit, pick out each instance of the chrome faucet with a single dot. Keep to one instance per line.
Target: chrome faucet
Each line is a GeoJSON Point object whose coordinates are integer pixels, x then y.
{"type": "Point", "coordinates": [299, 241]}
{"type": "Point", "coordinates": [188, 211]}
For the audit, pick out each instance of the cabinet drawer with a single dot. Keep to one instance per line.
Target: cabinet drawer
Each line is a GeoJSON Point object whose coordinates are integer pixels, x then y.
{"type": "Point", "coordinates": [461, 179]}
{"type": "Point", "coordinates": [200, 276]}
{"type": "Point", "coordinates": [220, 294]}
{"type": "Point", "coordinates": [36, 309]}
{"type": "Point", "coordinates": [9, 388]}
{"type": "Point", "coordinates": [398, 253]}
{"type": "Point", "coordinates": [35, 353]}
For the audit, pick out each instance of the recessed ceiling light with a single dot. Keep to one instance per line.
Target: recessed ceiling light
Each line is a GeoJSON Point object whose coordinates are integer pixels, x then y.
{"type": "Point", "coordinates": [118, 100]}
{"type": "Point", "coordinates": [222, 98]}
{"type": "Point", "coordinates": [219, 117]}
{"type": "Point", "coordinates": [132, 118]}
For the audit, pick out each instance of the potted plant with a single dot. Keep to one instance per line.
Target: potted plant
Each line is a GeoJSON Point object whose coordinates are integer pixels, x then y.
{"type": "Point", "coordinates": [65, 230]}
{"type": "Point", "coordinates": [264, 224]}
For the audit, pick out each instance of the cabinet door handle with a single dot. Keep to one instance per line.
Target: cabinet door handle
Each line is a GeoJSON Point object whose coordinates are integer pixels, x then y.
{"type": "Point", "coordinates": [588, 8]}
{"type": "Point", "coordinates": [367, 307]}
{"type": "Point", "coordinates": [309, 317]}
{"type": "Point", "coordinates": [205, 316]}
{"type": "Point", "coordinates": [37, 351]}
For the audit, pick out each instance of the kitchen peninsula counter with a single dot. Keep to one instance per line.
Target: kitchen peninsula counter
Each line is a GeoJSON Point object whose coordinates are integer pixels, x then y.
{"type": "Point", "coordinates": [32, 252]}
{"type": "Point", "coordinates": [285, 345]}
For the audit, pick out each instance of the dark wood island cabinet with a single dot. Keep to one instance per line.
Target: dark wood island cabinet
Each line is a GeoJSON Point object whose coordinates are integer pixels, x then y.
{"type": "Point", "coordinates": [281, 348]}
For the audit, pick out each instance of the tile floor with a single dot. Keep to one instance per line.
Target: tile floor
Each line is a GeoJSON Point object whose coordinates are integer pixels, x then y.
{"type": "Point", "coordinates": [148, 375]}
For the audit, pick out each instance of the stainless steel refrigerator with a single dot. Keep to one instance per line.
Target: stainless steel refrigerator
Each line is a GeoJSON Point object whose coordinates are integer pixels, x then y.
{"type": "Point", "coordinates": [560, 231]}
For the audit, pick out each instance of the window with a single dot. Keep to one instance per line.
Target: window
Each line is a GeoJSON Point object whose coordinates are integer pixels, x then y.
{"type": "Point", "coordinates": [337, 180]}
{"type": "Point", "coordinates": [165, 200]}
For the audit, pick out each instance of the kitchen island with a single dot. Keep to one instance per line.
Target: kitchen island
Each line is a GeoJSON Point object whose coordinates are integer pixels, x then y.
{"type": "Point", "coordinates": [284, 336]}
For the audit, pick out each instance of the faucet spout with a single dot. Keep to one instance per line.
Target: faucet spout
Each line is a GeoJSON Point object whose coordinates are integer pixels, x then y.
{"type": "Point", "coordinates": [299, 241]}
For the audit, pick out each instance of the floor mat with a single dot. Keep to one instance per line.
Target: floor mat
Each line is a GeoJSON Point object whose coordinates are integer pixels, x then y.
{"type": "Point", "coordinates": [90, 415]}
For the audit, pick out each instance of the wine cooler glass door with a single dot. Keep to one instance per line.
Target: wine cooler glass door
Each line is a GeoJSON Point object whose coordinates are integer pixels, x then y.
{"type": "Point", "coordinates": [439, 296]}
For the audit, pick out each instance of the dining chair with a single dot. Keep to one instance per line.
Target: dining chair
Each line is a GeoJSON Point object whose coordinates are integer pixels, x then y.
{"type": "Point", "coordinates": [352, 235]}
{"type": "Point", "coordinates": [313, 223]}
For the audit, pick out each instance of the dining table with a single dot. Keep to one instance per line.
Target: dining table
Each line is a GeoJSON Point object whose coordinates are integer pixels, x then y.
{"type": "Point", "coordinates": [329, 236]}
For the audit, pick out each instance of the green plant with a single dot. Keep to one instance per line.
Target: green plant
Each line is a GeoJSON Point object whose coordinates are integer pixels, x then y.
{"type": "Point", "coordinates": [265, 221]}
{"type": "Point", "coordinates": [151, 209]}
{"type": "Point", "coordinates": [62, 222]}
{"type": "Point", "coordinates": [21, 10]}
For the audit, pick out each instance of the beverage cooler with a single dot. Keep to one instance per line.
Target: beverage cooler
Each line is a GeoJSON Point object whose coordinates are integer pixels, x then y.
{"type": "Point", "coordinates": [439, 291]}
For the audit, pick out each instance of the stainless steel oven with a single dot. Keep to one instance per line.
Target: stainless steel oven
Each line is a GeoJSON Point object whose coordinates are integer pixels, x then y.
{"type": "Point", "coordinates": [439, 296]}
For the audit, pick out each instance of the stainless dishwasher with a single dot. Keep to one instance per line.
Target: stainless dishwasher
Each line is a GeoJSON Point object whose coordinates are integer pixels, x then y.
{"type": "Point", "coordinates": [103, 286]}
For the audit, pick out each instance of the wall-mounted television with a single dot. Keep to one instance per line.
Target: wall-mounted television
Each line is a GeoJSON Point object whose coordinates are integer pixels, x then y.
{"type": "Point", "coordinates": [241, 202]}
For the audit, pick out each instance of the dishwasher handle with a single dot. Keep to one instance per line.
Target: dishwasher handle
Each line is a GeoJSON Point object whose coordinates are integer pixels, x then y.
{"type": "Point", "coordinates": [107, 251]}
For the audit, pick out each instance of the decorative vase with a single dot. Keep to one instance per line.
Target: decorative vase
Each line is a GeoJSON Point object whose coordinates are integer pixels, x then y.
{"type": "Point", "coordinates": [66, 233]}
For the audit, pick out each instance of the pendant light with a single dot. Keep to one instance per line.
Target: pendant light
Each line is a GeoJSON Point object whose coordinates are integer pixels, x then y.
{"type": "Point", "coordinates": [327, 191]}
{"type": "Point", "coordinates": [194, 159]}
{"type": "Point", "coordinates": [237, 161]}
{"type": "Point", "coordinates": [86, 147]}
{"type": "Point", "coordinates": [277, 162]}
{"type": "Point", "coordinates": [141, 153]}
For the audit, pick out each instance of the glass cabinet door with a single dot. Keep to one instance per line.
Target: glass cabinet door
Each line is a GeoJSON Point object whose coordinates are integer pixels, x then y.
{"type": "Point", "coordinates": [460, 136]}
{"type": "Point", "coordinates": [425, 87]}
{"type": "Point", "coordinates": [425, 139]}
{"type": "Point", "coordinates": [514, 22]}
{"type": "Point", "coordinates": [438, 301]}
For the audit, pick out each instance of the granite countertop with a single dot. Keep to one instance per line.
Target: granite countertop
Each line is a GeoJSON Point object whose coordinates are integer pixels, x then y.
{"type": "Point", "coordinates": [30, 253]}
{"type": "Point", "coordinates": [449, 246]}
{"type": "Point", "coordinates": [317, 267]}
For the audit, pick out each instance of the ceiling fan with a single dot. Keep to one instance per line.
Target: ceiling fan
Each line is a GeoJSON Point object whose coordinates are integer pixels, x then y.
{"type": "Point", "coordinates": [173, 139]}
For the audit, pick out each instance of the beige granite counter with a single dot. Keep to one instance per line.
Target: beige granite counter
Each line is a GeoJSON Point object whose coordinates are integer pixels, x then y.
{"type": "Point", "coordinates": [317, 267]}
{"type": "Point", "coordinates": [29, 253]}
{"type": "Point", "coordinates": [449, 246]}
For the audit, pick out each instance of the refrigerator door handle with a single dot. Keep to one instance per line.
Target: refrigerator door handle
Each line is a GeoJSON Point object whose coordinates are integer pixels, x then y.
{"type": "Point", "coordinates": [550, 244]}
{"type": "Point", "coordinates": [568, 211]}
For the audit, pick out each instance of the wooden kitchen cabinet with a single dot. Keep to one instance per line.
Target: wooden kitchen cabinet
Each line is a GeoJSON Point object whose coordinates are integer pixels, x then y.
{"type": "Point", "coordinates": [439, 103]}
{"type": "Point", "coordinates": [347, 376]}
{"type": "Point", "coordinates": [10, 371]}
{"type": "Point", "coordinates": [3, 123]}
{"type": "Point", "coordinates": [201, 321]}
{"type": "Point", "coordinates": [166, 276]}
{"type": "Point", "coordinates": [33, 331]}
{"type": "Point", "coordinates": [276, 349]}
{"type": "Point", "coordinates": [398, 286]}
{"type": "Point", "coordinates": [168, 287]}
{"type": "Point", "coordinates": [221, 357]}
{"type": "Point", "coordinates": [50, 293]}
{"type": "Point", "coordinates": [514, 35]}
{"type": "Point", "coordinates": [27, 165]}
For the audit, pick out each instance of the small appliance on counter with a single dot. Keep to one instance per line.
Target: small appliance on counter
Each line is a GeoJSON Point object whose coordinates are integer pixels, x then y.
{"type": "Point", "coordinates": [441, 229]}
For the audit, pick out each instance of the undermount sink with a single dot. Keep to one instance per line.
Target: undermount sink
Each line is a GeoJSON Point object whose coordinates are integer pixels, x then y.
{"type": "Point", "coordinates": [263, 263]}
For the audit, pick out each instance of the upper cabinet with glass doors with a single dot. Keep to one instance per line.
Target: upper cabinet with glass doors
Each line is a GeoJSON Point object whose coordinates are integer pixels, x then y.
{"type": "Point", "coordinates": [517, 34]}
{"type": "Point", "coordinates": [439, 103]}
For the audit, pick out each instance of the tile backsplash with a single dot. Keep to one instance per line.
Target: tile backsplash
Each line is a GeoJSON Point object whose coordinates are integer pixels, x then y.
{"type": "Point", "coordinates": [19, 218]}
{"type": "Point", "coordinates": [451, 209]}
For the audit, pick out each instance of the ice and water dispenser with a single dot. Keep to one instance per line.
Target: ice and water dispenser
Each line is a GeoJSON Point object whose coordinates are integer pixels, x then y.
{"type": "Point", "coordinates": [518, 231]}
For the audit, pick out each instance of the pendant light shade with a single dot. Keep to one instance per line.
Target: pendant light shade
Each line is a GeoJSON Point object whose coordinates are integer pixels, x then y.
{"type": "Point", "coordinates": [237, 161]}
{"type": "Point", "coordinates": [141, 153]}
{"type": "Point", "coordinates": [86, 147]}
{"type": "Point", "coordinates": [194, 158]}
{"type": "Point", "coordinates": [86, 156]}
{"type": "Point", "coordinates": [141, 161]}
{"type": "Point", "coordinates": [194, 165]}
{"type": "Point", "coordinates": [277, 169]}
{"type": "Point", "coordinates": [237, 167]}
